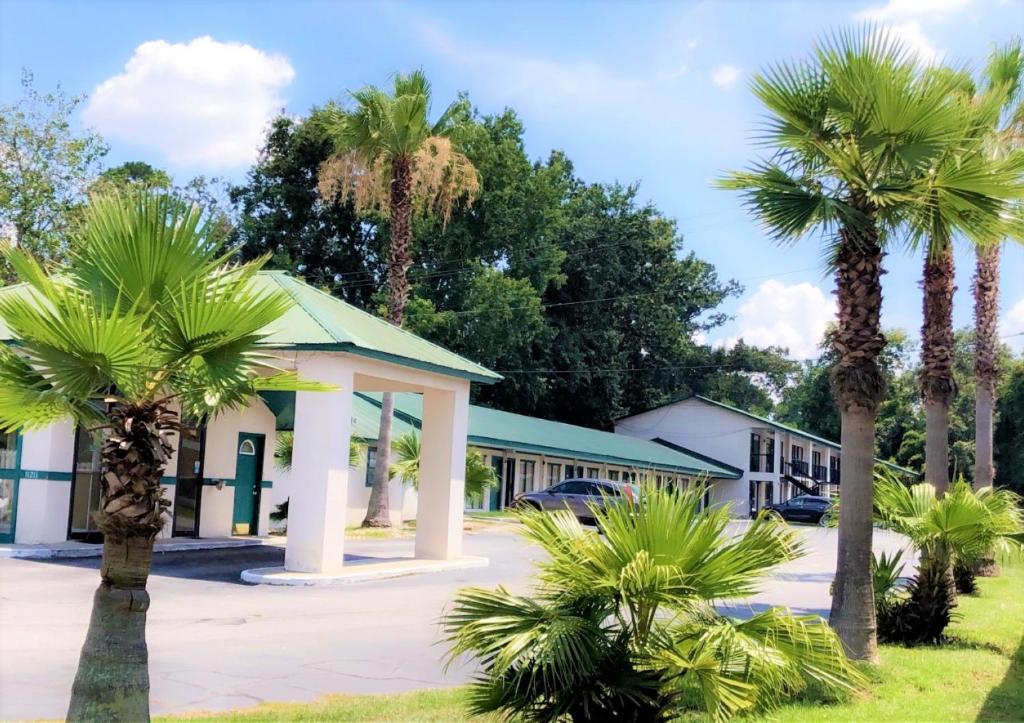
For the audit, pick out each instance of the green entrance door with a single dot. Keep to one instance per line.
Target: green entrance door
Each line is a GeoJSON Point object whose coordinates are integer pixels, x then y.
{"type": "Point", "coordinates": [248, 471]}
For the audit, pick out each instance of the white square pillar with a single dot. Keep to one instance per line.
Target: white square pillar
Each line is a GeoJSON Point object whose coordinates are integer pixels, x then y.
{"type": "Point", "coordinates": [319, 475]}
{"type": "Point", "coordinates": [442, 474]}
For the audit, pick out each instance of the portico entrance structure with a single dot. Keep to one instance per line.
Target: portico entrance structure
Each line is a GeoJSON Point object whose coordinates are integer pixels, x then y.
{"type": "Point", "coordinates": [329, 341]}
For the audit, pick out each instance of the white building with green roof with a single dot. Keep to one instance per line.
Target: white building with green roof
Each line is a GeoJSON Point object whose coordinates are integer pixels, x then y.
{"type": "Point", "coordinates": [775, 461]}
{"type": "Point", "coordinates": [222, 479]}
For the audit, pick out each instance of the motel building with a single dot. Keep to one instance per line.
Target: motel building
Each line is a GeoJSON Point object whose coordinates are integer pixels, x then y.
{"type": "Point", "coordinates": [775, 462]}
{"type": "Point", "coordinates": [222, 480]}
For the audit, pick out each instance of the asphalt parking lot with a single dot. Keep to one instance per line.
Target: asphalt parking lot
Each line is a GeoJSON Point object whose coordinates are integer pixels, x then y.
{"type": "Point", "coordinates": [216, 643]}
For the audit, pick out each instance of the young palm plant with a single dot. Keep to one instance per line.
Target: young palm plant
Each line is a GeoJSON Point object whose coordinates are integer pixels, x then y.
{"type": "Point", "coordinates": [1004, 79]}
{"type": "Point", "coordinates": [147, 321]}
{"type": "Point", "coordinates": [479, 475]}
{"type": "Point", "coordinates": [959, 527]}
{"type": "Point", "coordinates": [391, 156]}
{"type": "Point", "coordinates": [622, 625]}
{"type": "Point", "coordinates": [853, 130]}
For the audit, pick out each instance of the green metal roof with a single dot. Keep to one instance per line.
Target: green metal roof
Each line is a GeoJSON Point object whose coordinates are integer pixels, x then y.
{"type": "Point", "coordinates": [504, 430]}
{"type": "Point", "coordinates": [321, 322]}
{"type": "Point", "coordinates": [783, 427]}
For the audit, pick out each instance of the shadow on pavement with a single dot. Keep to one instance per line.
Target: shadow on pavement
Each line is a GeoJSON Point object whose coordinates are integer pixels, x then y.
{"type": "Point", "coordinates": [222, 565]}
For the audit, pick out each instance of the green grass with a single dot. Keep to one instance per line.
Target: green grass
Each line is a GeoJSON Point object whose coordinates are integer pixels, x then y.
{"type": "Point", "coordinates": [980, 677]}
{"type": "Point", "coordinates": [447, 704]}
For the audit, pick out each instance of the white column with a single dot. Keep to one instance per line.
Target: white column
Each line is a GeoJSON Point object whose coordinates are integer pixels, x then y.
{"type": "Point", "coordinates": [44, 492]}
{"type": "Point", "coordinates": [319, 491]}
{"type": "Point", "coordinates": [442, 474]}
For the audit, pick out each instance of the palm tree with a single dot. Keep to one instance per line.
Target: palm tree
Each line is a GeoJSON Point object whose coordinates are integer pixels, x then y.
{"type": "Point", "coordinates": [390, 156]}
{"type": "Point", "coordinates": [148, 321]}
{"type": "Point", "coordinates": [960, 527]}
{"type": "Point", "coordinates": [970, 192]}
{"type": "Point", "coordinates": [625, 624]}
{"type": "Point", "coordinates": [1003, 79]}
{"type": "Point", "coordinates": [854, 129]}
{"type": "Point", "coordinates": [479, 475]}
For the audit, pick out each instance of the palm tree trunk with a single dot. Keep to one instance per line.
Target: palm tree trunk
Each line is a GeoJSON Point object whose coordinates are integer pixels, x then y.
{"type": "Point", "coordinates": [938, 388]}
{"type": "Point", "coordinates": [378, 508]}
{"type": "Point", "coordinates": [112, 682]}
{"type": "Point", "coordinates": [858, 386]}
{"type": "Point", "coordinates": [986, 350]}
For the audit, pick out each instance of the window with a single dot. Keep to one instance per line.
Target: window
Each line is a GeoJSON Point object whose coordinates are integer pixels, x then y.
{"type": "Point", "coordinates": [526, 468]}
{"type": "Point", "coordinates": [9, 450]}
{"type": "Point", "coordinates": [613, 475]}
{"type": "Point", "coordinates": [573, 487]}
{"type": "Point", "coordinates": [755, 452]}
{"type": "Point", "coordinates": [247, 448]}
{"type": "Point", "coordinates": [6, 506]}
{"type": "Point", "coordinates": [371, 464]}
{"type": "Point", "coordinates": [593, 472]}
{"type": "Point", "coordinates": [797, 453]}
{"type": "Point", "coordinates": [554, 473]}
{"type": "Point", "coordinates": [573, 471]}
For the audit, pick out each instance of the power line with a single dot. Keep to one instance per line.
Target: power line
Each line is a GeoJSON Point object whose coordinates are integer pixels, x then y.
{"type": "Point", "coordinates": [619, 369]}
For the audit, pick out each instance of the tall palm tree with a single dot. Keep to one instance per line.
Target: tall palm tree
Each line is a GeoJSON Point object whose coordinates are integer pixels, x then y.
{"type": "Point", "coordinates": [147, 321]}
{"type": "Point", "coordinates": [853, 130]}
{"type": "Point", "coordinates": [969, 194]}
{"type": "Point", "coordinates": [390, 156]}
{"type": "Point", "coordinates": [1004, 79]}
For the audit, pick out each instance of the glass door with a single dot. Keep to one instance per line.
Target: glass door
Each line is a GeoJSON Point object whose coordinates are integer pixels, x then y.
{"type": "Point", "coordinates": [189, 484]}
{"type": "Point", "coordinates": [8, 485]}
{"type": "Point", "coordinates": [85, 489]}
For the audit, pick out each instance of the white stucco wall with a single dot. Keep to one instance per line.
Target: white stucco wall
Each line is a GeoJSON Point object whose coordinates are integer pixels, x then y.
{"type": "Point", "coordinates": [709, 430]}
{"type": "Point", "coordinates": [216, 510]}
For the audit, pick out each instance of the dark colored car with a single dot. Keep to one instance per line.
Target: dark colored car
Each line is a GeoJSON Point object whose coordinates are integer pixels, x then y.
{"type": "Point", "coordinates": [805, 508]}
{"type": "Point", "coordinates": [579, 496]}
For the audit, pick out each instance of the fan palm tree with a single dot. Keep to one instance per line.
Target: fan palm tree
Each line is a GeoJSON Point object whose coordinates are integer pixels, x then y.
{"type": "Point", "coordinates": [853, 130]}
{"type": "Point", "coordinates": [391, 156]}
{"type": "Point", "coordinates": [960, 527]}
{"type": "Point", "coordinates": [148, 321]}
{"type": "Point", "coordinates": [970, 193]}
{"type": "Point", "coordinates": [479, 475]}
{"type": "Point", "coordinates": [623, 625]}
{"type": "Point", "coordinates": [1003, 79]}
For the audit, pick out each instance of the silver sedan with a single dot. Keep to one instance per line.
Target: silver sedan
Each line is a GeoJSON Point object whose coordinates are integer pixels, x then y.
{"type": "Point", "coordinates": [579, 496]}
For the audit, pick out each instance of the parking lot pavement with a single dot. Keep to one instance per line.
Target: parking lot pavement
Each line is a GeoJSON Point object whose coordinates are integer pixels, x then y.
{"type": "Point", "coordinates": [216, 643]}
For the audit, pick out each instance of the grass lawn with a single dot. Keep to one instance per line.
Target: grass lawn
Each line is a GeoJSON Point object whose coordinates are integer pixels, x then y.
{"type": "Point", "coordinates": [978, 678]}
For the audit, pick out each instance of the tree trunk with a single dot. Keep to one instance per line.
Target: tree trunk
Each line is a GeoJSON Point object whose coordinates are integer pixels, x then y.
{"type": "Point", "coordinates": [378, 513]}
{"type": "Point", "coordinates": [378, 509]}
{"type": "Point", "coordinates": [858, 387]}
{"type": "Point", "coordinates": [938, 389]}
{"type": "Point", "coordinates": [112, 682]}
{"type": "Point", "coordinates": [986, 355]}
{"type": "Point", "coordinates": [853, 595]}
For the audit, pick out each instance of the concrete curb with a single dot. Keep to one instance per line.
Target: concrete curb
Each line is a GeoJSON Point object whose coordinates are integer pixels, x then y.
{"type": "Point", "coordinates": [358, 572]}
{"type": "Point", "coordinates": [52, 553]}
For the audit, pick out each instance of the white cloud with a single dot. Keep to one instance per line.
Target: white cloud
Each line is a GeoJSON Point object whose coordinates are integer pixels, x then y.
{"type": "Point", "coordinates": [725, 76]}
{"type": "Point", "coordinates": [903, 19]}
{"type": "Point", "coordinates": [896, 10]}
{"type": "Point", "coordinates": [202, 102]}
{"type": "Point", "coordinates": [1011, 326]}
{"type": "Point", "coordinates": [793, 316]}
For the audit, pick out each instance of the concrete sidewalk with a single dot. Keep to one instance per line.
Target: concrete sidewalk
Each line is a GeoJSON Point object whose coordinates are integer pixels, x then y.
{"type": "Point", "coordinates": [75, 549]}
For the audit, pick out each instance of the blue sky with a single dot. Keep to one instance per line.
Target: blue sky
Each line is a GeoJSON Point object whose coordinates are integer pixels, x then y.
{"type": "Point", "coordinates": [654, 93]}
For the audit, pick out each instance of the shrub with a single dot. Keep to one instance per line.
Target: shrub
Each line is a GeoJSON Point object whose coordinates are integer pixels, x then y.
{"type": "Point", "coordinates": [622, 625]}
